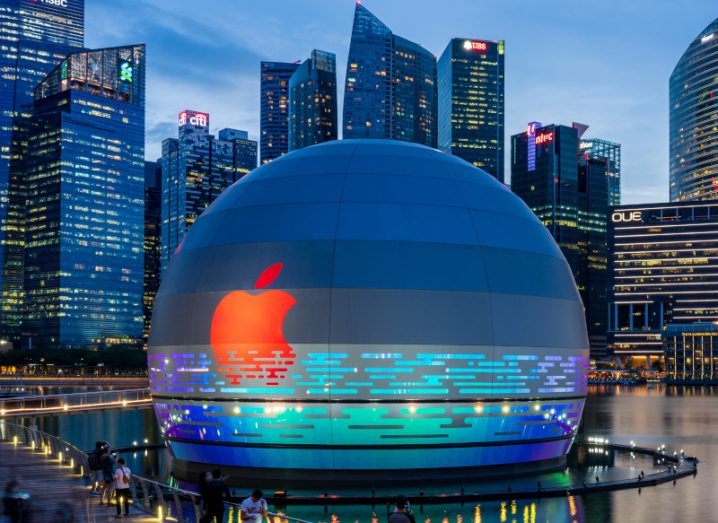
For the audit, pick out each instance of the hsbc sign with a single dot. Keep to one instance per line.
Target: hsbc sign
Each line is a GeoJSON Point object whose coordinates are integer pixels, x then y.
{"type": "Point", "coordinates": [626, 216]}
{"type": "Point", "coordinates": [56, 3]}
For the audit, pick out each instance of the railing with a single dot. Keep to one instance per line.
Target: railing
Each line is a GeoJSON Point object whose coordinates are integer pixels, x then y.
{"type": "Point", "coordinates": [77, 401]}
{"type": "Point", "coordinates": [155, 498]}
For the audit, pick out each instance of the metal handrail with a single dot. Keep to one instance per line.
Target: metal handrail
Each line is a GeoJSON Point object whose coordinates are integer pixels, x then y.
{"type": "Point", "coordinates": [73, 401]}
{"type": "Point", "coordinates": [70, 394]}
{"type": "Point", "coordinates": [149, 496]}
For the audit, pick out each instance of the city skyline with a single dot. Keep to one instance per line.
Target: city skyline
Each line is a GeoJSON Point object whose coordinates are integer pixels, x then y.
{"type": "Point", "coordinates": [213, 64]}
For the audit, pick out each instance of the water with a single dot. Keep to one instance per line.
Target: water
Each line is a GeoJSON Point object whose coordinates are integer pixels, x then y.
{"type": "Point", "coordinates": [648, 415]}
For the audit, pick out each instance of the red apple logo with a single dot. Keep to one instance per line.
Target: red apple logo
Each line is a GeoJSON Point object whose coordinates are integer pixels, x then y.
{"type": "Point", "coordinates": [246, 333]}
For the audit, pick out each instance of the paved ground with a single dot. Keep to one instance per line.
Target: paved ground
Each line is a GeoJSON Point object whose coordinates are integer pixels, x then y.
{"type": "Point", "coordinates": [53, 487]}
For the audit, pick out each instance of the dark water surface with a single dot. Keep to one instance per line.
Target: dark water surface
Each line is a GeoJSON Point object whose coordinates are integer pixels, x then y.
{"type": "Point", "coordinates": [649, 415]}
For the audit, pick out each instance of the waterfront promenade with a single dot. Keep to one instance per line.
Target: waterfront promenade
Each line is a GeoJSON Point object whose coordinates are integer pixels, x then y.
{"type": "Point", "coordinates": [55, 483]}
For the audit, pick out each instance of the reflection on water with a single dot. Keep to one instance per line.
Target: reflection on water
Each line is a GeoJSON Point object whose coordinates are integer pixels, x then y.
{"type": "Point", "coordinates": [517, 511]}
{"type": "Point", "coordinates": [650, 415]}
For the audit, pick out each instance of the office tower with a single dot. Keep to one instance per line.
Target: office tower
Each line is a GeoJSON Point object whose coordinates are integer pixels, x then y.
{"type": "Point", "coordinates": [662, 270]}
{"type": "Point", "coordinates": [390, 89]}
{"type": "Point", "coordinates": [84, 263]}
{"type": "Point", "coordinates": [196, 168]}
{"type": "Point", "coordinates": [313, 101]}
{"type": "Point", "coordinates": [611, 151]}
{"type": "Point", "coordinates": [471, 103]}
{"type": "Point", "coordinates": [243, 150]}
{"type": "Point", "coordinates": [570, 191]}
{"type": "Point", "coordinates": [35, 36]}
{"type": "Point", "coordinates": [274, 109]}
{"type": "Point", "coordinates": [152, 254]}
{"type": "Point", "coordinates": [693, 114]}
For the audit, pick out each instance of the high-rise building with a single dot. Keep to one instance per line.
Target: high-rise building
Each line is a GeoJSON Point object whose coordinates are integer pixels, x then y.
{"type": "Point", "coordinates": [313, 101]}
{"type": "Point", "coordinates": [274, 109]}
{"type": "Point", "coordinates": [471, 103]}
{"type": "Point", "coordinates": [611, 151]}
{"type": "Point", "coordinates": [35, 36]}
{"type": "Point", "coordinates": [196, 167]}
{"type": "Point", "coordinates": [390, 89]}
{"type": "Point", "coordinates": [153, 256]}
{"type": "Point", "coordinates": [570, 191]}
{"type": "Point", "coordinates": [84, 262]}
{"type": "Point", "coordinates": [662, 270]}
{"type": "Point", "coordinates": [693, 110]}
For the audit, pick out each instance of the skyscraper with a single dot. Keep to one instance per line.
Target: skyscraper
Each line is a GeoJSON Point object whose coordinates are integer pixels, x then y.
{"type": "Point", "coordinates": [84, 262]}
{"type": "Point", "coordinates": [196, 167]}
{"type": "Point", "coordinates": [663, 270]}
{"type": "Point", "coordinates": [313, 101]}
{"type": "Point", "coordinates": [35, 36]}
{"type": "Point", "coordinates": [570, 192]}
{"type": "Point", "coordinates": [471, 103]}
{"type": "Point", "coordinates": [274, 109]}
{"type": "Point", "coordinates": [153, 238]}
{"type": "Point", "coordinates": [390, 89]}
{"type": "Point", "coordinates": [693, 110]}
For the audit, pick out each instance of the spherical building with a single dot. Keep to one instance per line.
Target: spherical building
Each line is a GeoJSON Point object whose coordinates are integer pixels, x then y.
{"type": "Point", "coordinates": [362, 306]}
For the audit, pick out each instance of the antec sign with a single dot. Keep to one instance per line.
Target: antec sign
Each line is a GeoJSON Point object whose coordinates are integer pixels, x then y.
{"type": "Point", "coordinates": [626, 216]}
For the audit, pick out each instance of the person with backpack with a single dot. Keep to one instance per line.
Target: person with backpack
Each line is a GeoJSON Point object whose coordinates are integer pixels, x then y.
{"type": "Point", "coordinates": [122, 487]}
{"type": "Point", "coordinates": [402, 513]}
{"type": "Point", "coordinates": [93, 461]}
{"type": "Point", "coordinates": [107, 466]}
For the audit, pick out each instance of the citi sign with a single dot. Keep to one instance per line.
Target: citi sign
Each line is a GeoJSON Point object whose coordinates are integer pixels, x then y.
{"type": "Point", "coordinates": [198, 119]}
{"type": "Point", "coordinates": [56, 3]}
{"type": "Point", "coordinates": [473, 45]}
{"type": "Point", "coordinates": [543, 138]}
{"type": "Point", "coordinates": [626, 216]}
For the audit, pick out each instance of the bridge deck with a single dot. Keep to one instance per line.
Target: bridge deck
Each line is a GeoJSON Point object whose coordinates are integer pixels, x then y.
{"type": "Point", "coordinates": [51, 484]}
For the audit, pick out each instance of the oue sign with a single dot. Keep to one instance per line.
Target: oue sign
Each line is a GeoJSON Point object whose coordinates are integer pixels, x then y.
{"type": "Point", "coordinates": [198, 119]}
{"type": "Point", "coordinates": [626, 216]}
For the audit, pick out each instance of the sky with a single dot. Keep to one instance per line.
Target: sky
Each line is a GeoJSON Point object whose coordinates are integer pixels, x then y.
{"type": "Point", "coordinates": [605, 64]}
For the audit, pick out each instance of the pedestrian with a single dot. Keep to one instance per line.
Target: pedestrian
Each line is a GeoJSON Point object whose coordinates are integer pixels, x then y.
{"type": "Point", "coordinates": [402, 512]}
{"type": "Point", "coordinates": [215, 492]}
{"type": "Point", "coordinates": [254, 507]}
{"type": "Point", "coordinates": [202, 482]}
{"type": "Point", "coordinates": [94, 462]}
{"type": "Point", "coordinates": [107, 465]}
{"type": "Point", "coordinates": [122, 487]}
{"type": "Point", "coordinates": [15, 503]}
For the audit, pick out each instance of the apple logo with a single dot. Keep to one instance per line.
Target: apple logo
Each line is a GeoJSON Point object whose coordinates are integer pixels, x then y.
{"type": "Point", "coordinates": [246, 332]}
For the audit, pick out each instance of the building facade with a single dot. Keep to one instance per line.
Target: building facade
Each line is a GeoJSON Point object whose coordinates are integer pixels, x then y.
{"type": "Point", "coordinates": [152, 242]}
{"type": "Point", "coordinates": [691, 353]}
{"type": "Point", "coordinates": [471, 103]}
{"type": "Point", "coordinates": [313, 101]}
{"type": "Point", "coordinates": [274, 109]}
{"type": "Point", "coordinates": [84, 261]}
{"type": "Point", "coordinates": [570, 191]}
{"type": "Point", "coordinates": [663, 269]}
{"type": "Point", "coordinates": [693, 113]}
{"type": "Point", "coordinates": [196, 168]}
{"type": "Point", "coordinates": [34, 38]}
{"type": "Point", "coordinates": [391, 89]}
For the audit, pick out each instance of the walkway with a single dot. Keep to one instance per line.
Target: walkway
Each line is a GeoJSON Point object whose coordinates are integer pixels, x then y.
{"type": "Point", "coordinates": [52, 484]}
{"type": "Point", "coordinates": [74, 402]}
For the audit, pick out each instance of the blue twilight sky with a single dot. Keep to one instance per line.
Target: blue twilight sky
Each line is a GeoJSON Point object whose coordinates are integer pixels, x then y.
{"type": "Point", "coordinates": [606, 64]}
